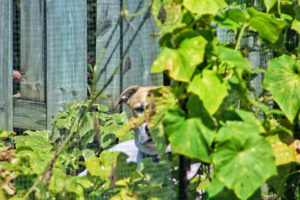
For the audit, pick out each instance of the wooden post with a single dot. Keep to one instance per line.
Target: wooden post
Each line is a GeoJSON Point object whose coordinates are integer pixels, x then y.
{"type": "Point", "coordinates": [6, 65]}
{"type": "Point", "coordinates": [108, 12]}
{"type": "Point", "coordinates": [32, 50]}
{"type": "Point", "coordinates": [66, 54]}
{"type": "Point", "coordinates": [143, 52]}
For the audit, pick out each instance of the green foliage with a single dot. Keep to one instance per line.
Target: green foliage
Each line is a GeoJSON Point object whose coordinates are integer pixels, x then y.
{"type": "Point", "coordinates": [219, 118]}
{"type": "Point", "coordinates": [34, 150]}
{"type": "Point", "coordinates": [283, 81]}
{"type": "Point", "coordinates": [210, 114]}
{"type": "Point", "coordinates": [184, 59]}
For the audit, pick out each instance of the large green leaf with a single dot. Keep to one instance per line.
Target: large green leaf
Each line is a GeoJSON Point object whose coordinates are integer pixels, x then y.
{"type": "Point", "coordinates": [209, 88]}
{"type": "Point", "coordinates": [204, 6]}
{"type": "Point", "coordinates": [188, 136]}
{"type": "Point", "coordinates": [182, 62]}
{"type": "Point", "coordinates": [283, 81]}
{"type": "Point", "coordinates": [240, 149]}
{"type": "Point", "coordinates": [268, 27]}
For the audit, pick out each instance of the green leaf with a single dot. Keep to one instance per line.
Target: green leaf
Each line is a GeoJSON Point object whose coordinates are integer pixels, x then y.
{"type": "Point", "coordinates": [101, 108]}
{"type": "Point", "coordinates": [204, 6]}
{"type": "Point", "coordinates": [34, 142]}
{"type": "Point", "coordinates": [240, 149]}
{"type": "Point", "coordinates": [209, 88]}
{"type": "Point", "coordinates": [218, 191]}
{"type": "Point", "coordinates": [283, 81]}
{"type": "Point", "coordinates": [87, 153]}
{"type": "Point", "coordinates": [233, 58]}
{"type": "Point", "coordinates": [6, 134]}
{"type": "Point", "coordinates": [43, 133]}
{"type": "Point", "coordinates": [268, 27]}
{"type": "Point", "coordinates": [269, 4]}
{"type": "Point", "coordinates": [93, 166]}
{"type": "Point", "coordinates": [188, 136]}
{"type": "Point", "coordinates": [87, 125]}
{"type": "Point", "coordinates": [296, 25]}
{"type": "Point", "coordinates": [231, 18]}
{"type": "Point", "coordinates": [182, 62]}
{"type": "Point", "coordinates": [110, 164]}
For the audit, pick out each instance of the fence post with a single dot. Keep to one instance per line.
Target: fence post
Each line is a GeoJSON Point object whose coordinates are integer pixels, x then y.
{"type": "Point", "coordinates": [66, 54]}
{"type": "Point", "coordinates": [108, 12]}
{"type": "Point", "coordinates": [32, 50]}
{"type": "Point", "coordinates": [6, 65]}
{"type": "Point", "coordinates": [143, 52]}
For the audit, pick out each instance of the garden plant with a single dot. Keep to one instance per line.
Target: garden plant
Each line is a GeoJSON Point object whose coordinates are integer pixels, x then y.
{"type": "Point", "coordinates": [209, 114]}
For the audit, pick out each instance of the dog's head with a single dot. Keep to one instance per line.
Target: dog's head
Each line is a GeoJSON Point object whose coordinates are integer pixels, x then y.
{"type": "Point", "coordinates": [136, 98]}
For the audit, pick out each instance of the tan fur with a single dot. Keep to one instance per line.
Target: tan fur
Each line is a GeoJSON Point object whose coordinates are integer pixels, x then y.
{"type": "Point", "coordinates": [134, 97]}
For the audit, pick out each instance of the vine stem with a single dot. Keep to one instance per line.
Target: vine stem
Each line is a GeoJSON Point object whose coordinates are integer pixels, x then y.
{"type": "Point", "coordinates": [237, 45]}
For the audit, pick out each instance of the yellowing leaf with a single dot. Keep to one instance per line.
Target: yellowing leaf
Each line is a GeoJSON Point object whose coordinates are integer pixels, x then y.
{"type": "Point", "coordinates": [284, 153]}
{"type": "Point", "coordinates": [203, 7]}
{"type": "Point", "coordinates": [283, 81]}
{"type": "Point", "coordinates": [182, 62]}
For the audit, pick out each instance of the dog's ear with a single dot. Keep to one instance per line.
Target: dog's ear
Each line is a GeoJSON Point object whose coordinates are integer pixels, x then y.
{"type": "Point", "coordinates": [126, 94]}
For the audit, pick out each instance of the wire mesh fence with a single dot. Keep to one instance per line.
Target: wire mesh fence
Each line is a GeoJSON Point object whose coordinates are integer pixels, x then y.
{"type": "Point", "coordinates": [56, 45]}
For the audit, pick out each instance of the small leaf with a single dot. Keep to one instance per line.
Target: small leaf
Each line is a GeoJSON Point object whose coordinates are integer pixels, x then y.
{"type": "Point", "coordinates": [182, 62]}
{"type": "Point", "coordinates": [209, 88]}
{"type": "Point", "coordinates": [87, 153]}
{"type": "Point", "coordinates": [283, 81]}
{"type": "Point", "coordinates": [204, 6]}
{"type": "Point", "coordinates": [269, 4]}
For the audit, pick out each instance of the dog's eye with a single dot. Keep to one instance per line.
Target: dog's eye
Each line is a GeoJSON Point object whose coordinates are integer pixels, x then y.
{"type": "Point", "coordinates": [139, 109]}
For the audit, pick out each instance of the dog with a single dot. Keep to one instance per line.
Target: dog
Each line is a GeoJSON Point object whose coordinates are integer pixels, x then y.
{"type": "Point", "coordinates": [136, 98]}
{"type": "Point", "coordinates": [142, 146]}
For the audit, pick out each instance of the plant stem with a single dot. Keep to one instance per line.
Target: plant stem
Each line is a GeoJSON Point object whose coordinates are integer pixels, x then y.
{"type": "Point", "coordinates": [149, 3]}
{"type": "Point", "coordinates": [237, 45]}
